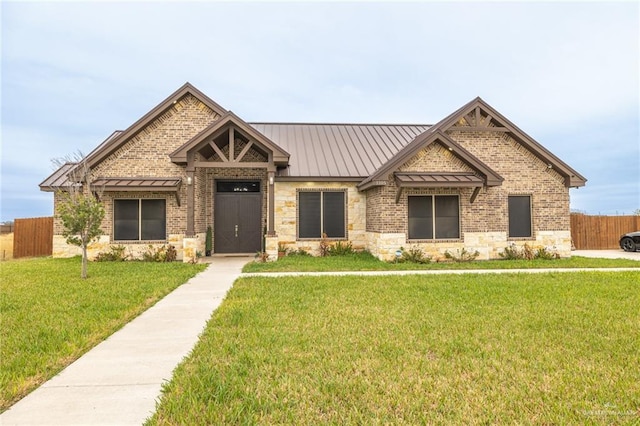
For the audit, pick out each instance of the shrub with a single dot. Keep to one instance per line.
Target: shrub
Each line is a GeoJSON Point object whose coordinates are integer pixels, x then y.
{"type": "Point", "coordinates": [324, 246]}
{"type": "Point", "coordinates": [262, 256]}
{"type": "Point", "coordinates": [545, 253]}
{"type": "Point", "coordinates": [160, 254]}
{"type": "Point", "coordinates": [115, 254]}
{"type": "Point", "coordinates": [341, 249]}
{"type": "Point", "coordinates": [282, 248]}
{"type": "Point", "coordinates": [413, 255]}
{"type": "Point", "coordinates": [462, 255]}
{"type": "Point", "coordinates": [513, 252]}
{"type": "Point", "coordinates": [298, 252]}
{"type": "Point", "coordinates": [208, 241]}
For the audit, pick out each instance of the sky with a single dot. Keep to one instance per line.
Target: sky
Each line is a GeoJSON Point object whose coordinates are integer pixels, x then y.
{"type": "Point", "coordinates": [567, 73]}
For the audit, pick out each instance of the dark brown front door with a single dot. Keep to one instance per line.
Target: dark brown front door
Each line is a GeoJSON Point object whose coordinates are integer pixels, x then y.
{"type": "Point", "coordinates": [237, 224]}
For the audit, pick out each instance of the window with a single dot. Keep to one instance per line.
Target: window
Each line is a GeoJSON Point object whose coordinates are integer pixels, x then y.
{"type": "Point", "coordinates": [429, 213]}
{"type": "Point", "coordinates": [136, 220]}
{"type": "Point", "coordinates": [321, 212]}
{"type": "Point", "coordinates": [519, 216]}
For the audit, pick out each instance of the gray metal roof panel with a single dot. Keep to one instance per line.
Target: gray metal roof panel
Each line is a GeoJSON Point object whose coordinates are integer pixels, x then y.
{"type": "Point", "coordinates": [339, 150]}
{"type": "Point", "coordinates": [58, 179]}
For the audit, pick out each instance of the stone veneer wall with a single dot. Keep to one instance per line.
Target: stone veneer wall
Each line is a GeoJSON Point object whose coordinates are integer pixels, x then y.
{"type": "Point", "coordinates": [286, 214]}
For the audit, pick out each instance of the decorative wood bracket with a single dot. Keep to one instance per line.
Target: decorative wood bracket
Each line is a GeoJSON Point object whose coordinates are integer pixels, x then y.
{"type": "Point", "coordinates": [475, 193]}
{"type": "Point", "coordinates": [398, 193]}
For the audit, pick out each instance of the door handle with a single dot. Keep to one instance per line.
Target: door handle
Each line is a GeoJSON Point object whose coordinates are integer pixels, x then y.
{"type": "Point", "coordinates": [236, 231]}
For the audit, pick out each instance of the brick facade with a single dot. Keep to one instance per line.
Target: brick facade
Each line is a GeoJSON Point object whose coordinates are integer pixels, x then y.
{"type": "Point", "coordinates": [523, 173]}
{"type": "Point", "coordinates": [375, 221]}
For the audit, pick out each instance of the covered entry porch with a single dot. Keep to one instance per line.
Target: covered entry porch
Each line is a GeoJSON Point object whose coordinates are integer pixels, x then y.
{"type": "Point", "coordinates": [230, 179]}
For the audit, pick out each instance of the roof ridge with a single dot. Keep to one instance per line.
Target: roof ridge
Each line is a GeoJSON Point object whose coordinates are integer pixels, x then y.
{"type": "Point", "coordinates": [292, 123]}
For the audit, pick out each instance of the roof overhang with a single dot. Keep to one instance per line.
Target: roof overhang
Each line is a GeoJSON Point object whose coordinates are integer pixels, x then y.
{"type": "Point", "coordinates": [137, 184]}
{"type": "Point", "coordinates": [438, 180]}
{"type": "Point", "coordinates": [59, 179]}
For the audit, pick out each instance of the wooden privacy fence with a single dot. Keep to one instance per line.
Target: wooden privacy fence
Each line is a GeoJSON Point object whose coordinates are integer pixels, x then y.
{"type": "Point", "coordinates": [33, 237]}
{"type": "Point", "coordinates": [600, 232]}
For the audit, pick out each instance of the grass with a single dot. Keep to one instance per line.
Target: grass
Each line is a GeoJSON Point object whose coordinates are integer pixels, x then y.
{"type": "Point", "coordinates": [367, 262]}
{"type": "Point", "coordinates": [447, 349]}
{"type": "Point", "coordinates": [50, 317]}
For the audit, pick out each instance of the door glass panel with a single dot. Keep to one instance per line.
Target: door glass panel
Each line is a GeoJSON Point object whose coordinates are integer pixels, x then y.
{"type": "Point", "coordinates": [222, 186]}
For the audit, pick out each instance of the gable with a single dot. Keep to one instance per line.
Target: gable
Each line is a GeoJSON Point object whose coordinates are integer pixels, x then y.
{"type": "Point", "coordinates": [478, 116]}
{"type": "Point", "coordinates": [146, 152]}
{"type": "Point", "coordinates": [435, 158]}
{"type": "Point", "coordinates": [475, 116]}
{"type": "Point", "coordinates": [423, 141]}
{"type": "Point", "coordinates": [211, 142]}
{"type": "Point", "coordinates": [191, 107]}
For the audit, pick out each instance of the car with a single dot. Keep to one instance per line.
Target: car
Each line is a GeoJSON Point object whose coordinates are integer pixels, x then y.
{"type": "Point", "coordinates": [630, 241]}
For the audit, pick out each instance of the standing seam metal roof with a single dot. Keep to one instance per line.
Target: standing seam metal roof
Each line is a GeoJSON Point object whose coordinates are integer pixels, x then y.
{"type": "Point", "coordinates": [339, 150]}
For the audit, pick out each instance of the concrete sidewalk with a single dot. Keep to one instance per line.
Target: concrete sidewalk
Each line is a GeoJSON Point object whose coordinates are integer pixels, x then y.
{"type": "Point", "coordinates": [608, 254]}
{"type": "Point", "coordinates": [119, 381]}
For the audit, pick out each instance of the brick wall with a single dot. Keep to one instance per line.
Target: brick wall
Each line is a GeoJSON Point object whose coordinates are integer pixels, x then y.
{"type": "Point", "coordinates": [524, 174]}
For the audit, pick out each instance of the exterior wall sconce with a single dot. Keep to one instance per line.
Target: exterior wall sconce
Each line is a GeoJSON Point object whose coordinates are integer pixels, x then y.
{"type": "Point", "coordinates": [271, 180]}
{"type": "Point", "coordinates": [189, 180]}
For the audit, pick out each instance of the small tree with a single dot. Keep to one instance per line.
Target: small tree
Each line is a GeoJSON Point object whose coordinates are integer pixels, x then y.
{"type": "Point", "coordinates": [79, 210]}
{"type": "Point", "coordinates": [81, 216]}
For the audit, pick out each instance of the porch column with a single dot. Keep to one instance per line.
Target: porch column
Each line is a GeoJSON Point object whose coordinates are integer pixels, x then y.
{"type": "Point", "coordinates": [271, 213]}
{"type": "Point", "coordinates": [190, 195]}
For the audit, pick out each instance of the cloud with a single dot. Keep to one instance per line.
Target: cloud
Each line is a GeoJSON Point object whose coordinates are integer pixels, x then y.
{"type": "Point", "coordinates": [566, 73]}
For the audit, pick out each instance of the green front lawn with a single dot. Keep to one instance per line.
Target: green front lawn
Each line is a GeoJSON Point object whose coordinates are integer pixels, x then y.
{"type": "Point", "coordinates": [50, 316]}
{"type": "Point", "coordinates": [367, 262]}
{"type": "Point", "coordinates": [447, 349]}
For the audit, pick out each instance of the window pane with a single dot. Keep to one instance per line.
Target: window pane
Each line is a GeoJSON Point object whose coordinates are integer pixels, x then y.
{"type": "Point", "coordinates": [420, 218]}
{"type": "Point", "coordinates": [519, 216]}
{"type": "Point", "coordinates": [447, 217]}
{"type": "Point", "coordinates": [309, 215]}
{"type": "Point", "coordinates": [125, 219]}
{"type": "Point", "coordinates": [153, 220]}
{"type": "Point", "coordinates": [333, 210]}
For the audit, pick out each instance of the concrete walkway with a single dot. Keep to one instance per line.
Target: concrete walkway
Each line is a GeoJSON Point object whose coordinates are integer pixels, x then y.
{"type": "Point", "coordinates": [439, 272]}
{"type": "Point", "coordinates": [119, 381]}
{"type": "Point", "coordinates": [608, 254]}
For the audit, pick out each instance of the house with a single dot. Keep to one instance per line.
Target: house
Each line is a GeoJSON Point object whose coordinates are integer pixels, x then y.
{"type": "Point", "coordinates": [473, 180]}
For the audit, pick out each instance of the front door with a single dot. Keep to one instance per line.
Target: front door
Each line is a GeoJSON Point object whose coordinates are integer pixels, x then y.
{"type": "Point", "coordinates": [237, 212]}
